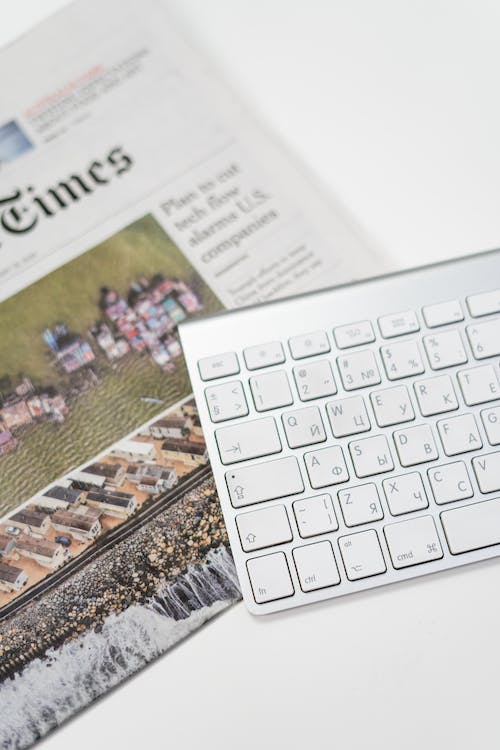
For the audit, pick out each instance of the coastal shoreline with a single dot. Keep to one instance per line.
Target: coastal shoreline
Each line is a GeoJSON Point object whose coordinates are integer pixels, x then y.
{"type": "Point", "coordinates": [157, 555]}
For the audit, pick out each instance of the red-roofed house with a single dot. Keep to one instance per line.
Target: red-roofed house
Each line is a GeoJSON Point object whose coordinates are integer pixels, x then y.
{"type": "Point", "coordinates": [7, 442]}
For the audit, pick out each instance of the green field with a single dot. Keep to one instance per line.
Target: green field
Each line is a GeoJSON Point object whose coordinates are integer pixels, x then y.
{"type": "Point", "coordinates": [71, 294]}
{"type": "Point", "coordinates": [114, 407]}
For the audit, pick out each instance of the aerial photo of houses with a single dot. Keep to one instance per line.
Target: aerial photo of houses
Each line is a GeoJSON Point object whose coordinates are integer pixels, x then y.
{"type": "Point", "coordinates": [107, 568]}
{"type": "Point", "coordinates": [112, 541]}
{"type": "Point", "coordinates": [85, 352]}
{"type": "Point", "coordinates": [65, 519]}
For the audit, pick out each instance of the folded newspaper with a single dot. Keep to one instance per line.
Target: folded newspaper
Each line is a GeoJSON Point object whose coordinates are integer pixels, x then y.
{"type": "Point", "coordinates": [135, 192]}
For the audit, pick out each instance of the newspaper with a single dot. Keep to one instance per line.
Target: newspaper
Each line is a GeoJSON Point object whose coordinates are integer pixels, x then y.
{"type": "Point", "coordinates": [135, 191]}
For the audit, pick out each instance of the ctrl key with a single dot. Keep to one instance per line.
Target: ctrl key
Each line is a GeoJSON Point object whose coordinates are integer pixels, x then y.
{"type": "Point", "coordinates": [316, 566]}
{"type": "Point", "coordinates": [270, 577]}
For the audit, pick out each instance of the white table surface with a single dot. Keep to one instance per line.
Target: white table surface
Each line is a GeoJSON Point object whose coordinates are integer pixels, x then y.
{"type": "Point", "coordinates": [394, 105]}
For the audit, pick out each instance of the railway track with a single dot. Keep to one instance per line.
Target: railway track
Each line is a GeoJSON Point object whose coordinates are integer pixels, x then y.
{"type": "Point", "coordinates": [102, 544]}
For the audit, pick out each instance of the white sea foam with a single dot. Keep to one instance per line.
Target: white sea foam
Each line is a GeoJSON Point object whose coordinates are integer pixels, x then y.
{"type": "Point", "coordinates": [51, 689]}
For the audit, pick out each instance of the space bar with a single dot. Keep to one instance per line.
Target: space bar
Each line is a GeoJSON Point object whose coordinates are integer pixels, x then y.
{"type": "Point", "coordinates": [473, 526]}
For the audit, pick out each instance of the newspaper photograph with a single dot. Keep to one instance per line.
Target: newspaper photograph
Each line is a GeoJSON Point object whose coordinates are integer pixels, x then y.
{"type": "Point", "coordinates": [135, 193]}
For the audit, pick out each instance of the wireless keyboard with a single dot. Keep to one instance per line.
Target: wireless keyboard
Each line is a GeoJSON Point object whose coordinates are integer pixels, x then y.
{"type": "Point", "coordinates": [354, 433]}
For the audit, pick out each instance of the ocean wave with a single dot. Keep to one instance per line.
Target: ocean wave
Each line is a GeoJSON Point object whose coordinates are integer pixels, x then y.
{"type": "Point", "coordinates": [68, 678]}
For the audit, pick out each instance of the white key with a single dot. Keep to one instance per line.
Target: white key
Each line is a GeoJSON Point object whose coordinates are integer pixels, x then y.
{"type": "Point", "coordinates": [435, 395]}
{"type": "Point", "coordinates": [354, 334]}
{"type": "Point", "coordinates": [358, 370]}
{"type": "Point", "coordinates": [303, 427]}
{"type": "Point", "coordinates": [443, 314]}
{"type": "Point", "coordinates": [479, 385]}
{"type": "Point", "coordinates": [264, 355]}
{"type": "Point", "coordinates": [405, 494]}
{"type": "Point", "coordinates": [226, 401]}
{"type": "Point", "coordinates": [360, 505]}
{"type": "Point", "coordinates": [485, 303]}
{"type": "Point", "coordinates": [487, 470]}
{"type": "Point", "coordinates": [413, 542]}
{"type": "Point", "coordinates": [491, 422]}
{"type": "Point", "coordinates": [415, 445]}
{"type": "Point", "coordinates": [362, 555]}
{"type": "Point", "coordinates": [218, 366]}
{"type": "Point", "coordinates": [371, 456]}
{"type": "Point", "coordinates": [309, 345]}
{"type": "Point", "coordinates": [392, 406]}
{"type": "Point", "coordinates": [315, 515]}
{"type": "Point", "coordinates": [472, 526]}
{"type": "Point", "coordinates": [401, 360]}
{"type": "Point", "coordinates": [268, 480]}
{"type": "Point", "coordinates": [326, 467]}
{"type": "Point", "coordinates": [445, 350]}
{"type": "Point", "coordinates": [316, 566]}
{"type": "Point", "coordinates": [263, 528]}
{"type": "Point", "coordinates": [459, 434]}
{"type": "Point", "coordinates": [314, 380]}
{"type": "Point", "coordinates": [270, 577]}
{"type": "Point", "coordinates": [348, 416]}
{"type": "Point", "coordinates": [484, 339]}
{"type": "Point", "coordinates": [398, 324]}
{"type": "Point", "coordinates": [271, 390]}
{"type": "Point", "coordinates": [450, 483]}
{"type": "Point", "coordinates": [253, 439]}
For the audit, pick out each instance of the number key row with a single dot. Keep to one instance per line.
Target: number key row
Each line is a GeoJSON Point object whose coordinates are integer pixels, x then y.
{"type": "Point", "coordinates": [391, 406]}
{"type": "Point", "coordinates": [444, 349]}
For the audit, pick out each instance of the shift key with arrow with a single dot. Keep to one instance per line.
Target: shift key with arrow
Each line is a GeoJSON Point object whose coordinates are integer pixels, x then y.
{"type": "Point", "coordinates": [263, 528]}
{"type": "Point", "coordinates": [226, 401]}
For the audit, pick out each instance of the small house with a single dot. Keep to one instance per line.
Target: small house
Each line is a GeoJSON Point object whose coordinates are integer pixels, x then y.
{"type": "Point", "coordinates": [157, 479]}
{"type": "Point", "coordinates": [187, 451]}
{"type": "Point", "coordinates": [47, 554]}
{"type": "Point", "coordinates": [7, 442]}
{"type": "Point", "coordinates": [134, 450]}
{"type": "Point", "coordinates": [76, 524]}
{"type": "Point", "coordinates": [111, 474]}
{"type": "Point", "coordinates": [31, 521]}
{"type": "Point", "coordinates": [171, 426]}
{"type": "Point", "coordinates": [59, 496]}
{"type": "Point", "coordinates": [15, 414]}
{"type": "Point", "coordinates": [112, 503]}
{"type": "Point", "coordinates": [11, 578]}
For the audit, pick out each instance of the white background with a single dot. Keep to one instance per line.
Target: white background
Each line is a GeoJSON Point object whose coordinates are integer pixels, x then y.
{"type": "Point", "coordinates": [394, 106]}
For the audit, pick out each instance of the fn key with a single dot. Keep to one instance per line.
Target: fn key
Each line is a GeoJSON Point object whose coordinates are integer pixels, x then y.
{"type": "Point", "coordinates": [270, 577]}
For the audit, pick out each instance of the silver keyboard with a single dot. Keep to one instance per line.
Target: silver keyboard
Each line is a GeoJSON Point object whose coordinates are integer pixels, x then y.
{"type": "Point", "coordinates": [354, 433]}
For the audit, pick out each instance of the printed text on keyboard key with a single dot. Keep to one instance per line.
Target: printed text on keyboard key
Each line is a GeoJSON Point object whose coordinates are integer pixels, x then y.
{"type": "Point", "coordinates": [248, 440]}
{"type": "Point", "coordinates": [372, 443]}
{"type": "Point", "coordinates": [413, 542]}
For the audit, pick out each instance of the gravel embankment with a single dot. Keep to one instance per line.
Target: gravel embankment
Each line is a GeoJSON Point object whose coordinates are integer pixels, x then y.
{"type": "Point", "coordinates": [130, 572]}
